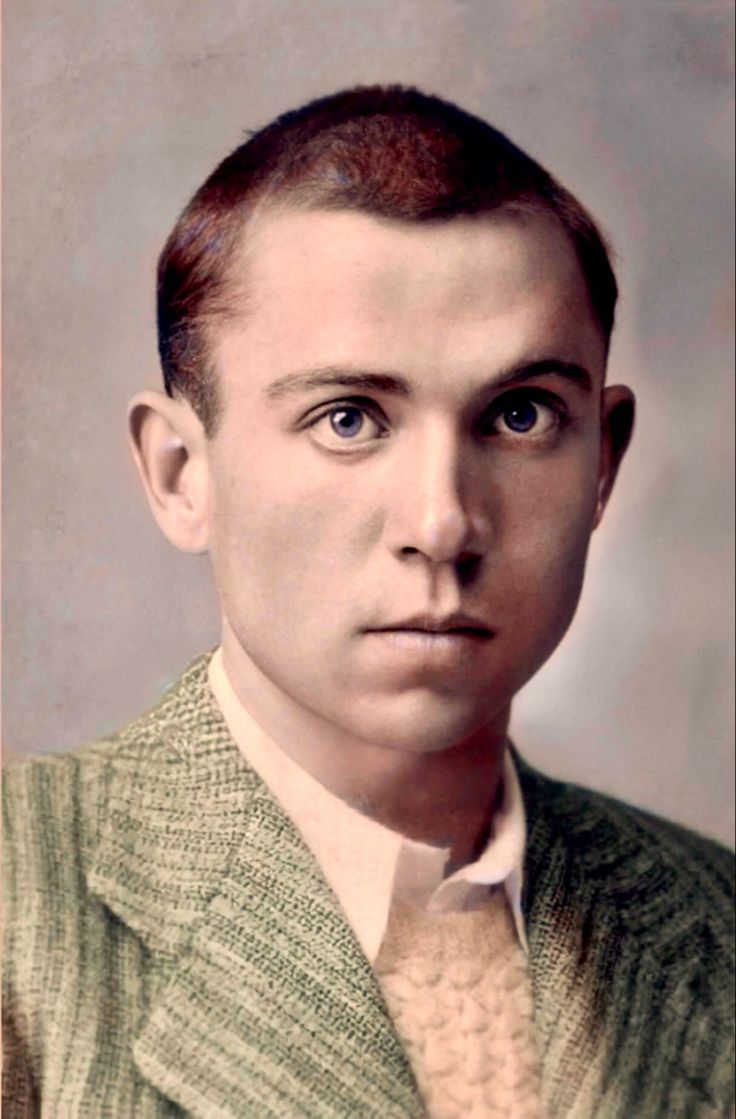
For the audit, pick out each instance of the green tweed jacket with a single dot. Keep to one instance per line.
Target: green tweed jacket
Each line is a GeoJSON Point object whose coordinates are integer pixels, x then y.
{"type": "Point", "coordinates": [172, 948]}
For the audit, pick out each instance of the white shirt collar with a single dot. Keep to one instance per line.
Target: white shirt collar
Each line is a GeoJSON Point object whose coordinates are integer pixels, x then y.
{"type": "Point", "coordinates": [367, 865]}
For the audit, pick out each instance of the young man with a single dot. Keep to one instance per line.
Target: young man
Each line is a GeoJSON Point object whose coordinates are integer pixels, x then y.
{"type": "Point", "coordinates": [317, 880]}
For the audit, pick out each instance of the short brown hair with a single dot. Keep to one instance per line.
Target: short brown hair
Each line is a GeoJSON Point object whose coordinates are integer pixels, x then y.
{"type": "Point", "coordinates": [391, 151]}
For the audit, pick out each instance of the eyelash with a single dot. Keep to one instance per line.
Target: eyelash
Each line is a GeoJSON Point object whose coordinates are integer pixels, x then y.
{"type": "Point", "coordinates": [504, 403]}
{"type": "Point", "coordinates": [363, 404]}
{"type": "Point", "coordinates": [536, 396]}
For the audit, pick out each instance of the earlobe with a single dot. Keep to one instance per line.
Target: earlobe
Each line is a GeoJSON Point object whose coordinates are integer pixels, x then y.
{"type": "Point", "coordinates": [618, 409]}
{"type": "Point", "coordinates": [169, 447]}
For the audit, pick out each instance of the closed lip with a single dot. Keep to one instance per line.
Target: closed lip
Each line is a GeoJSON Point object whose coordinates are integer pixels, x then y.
{"type": "Point", "coordinates": [463, 624]}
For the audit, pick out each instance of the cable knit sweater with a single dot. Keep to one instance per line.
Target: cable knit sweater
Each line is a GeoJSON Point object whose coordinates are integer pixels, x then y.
{"type": "Point", "coordinates": [457, 987]}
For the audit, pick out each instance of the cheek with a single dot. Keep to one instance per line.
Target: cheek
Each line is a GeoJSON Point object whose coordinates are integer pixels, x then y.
{"type": "Point", "coordinates": [546, 527]}
{"type": "Point", "coordinates": [283, 533]}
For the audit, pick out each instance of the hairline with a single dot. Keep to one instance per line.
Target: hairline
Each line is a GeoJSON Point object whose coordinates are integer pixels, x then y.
{"type": "Point", "coordinates": [288, 201]}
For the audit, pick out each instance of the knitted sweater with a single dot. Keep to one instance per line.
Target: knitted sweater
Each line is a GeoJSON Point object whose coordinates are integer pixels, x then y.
{"type": "Point", "coordinates": [173, 949]}
{"type": "Point", "coordinates": [457, 987]}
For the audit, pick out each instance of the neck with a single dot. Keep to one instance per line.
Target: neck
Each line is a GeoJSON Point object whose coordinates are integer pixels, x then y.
{"type": "Point", "coordinates": [443, 797]}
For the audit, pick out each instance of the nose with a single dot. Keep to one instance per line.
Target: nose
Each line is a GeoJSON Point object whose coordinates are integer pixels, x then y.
{"type": "Point", "coordinates": [436, 507]}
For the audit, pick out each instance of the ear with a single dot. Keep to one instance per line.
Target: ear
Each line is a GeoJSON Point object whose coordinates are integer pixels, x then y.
{"type": "Point", "coordinates": [617, 424]}
{"type": "Point", "coordinates": [169, 446]}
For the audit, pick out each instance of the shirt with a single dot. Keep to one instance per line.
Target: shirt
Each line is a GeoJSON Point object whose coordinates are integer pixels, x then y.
{"type": "Point", "coordinates": [369, 866]}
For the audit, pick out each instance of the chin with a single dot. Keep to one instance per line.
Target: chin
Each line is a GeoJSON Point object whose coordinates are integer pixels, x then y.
{"type": "Point", "coordinates": [424, 723]}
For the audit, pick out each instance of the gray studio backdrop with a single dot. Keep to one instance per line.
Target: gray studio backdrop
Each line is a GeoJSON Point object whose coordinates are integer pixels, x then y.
{"type": "Point", "coordinates": [115, 111]}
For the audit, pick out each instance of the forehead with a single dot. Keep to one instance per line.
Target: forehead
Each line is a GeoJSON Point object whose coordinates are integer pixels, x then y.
{"type": "Point", "coordinates": [348, 287]}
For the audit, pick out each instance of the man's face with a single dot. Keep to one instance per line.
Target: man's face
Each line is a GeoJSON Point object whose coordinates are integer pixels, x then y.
{"type": "Point", "coordinates": [410, 430]}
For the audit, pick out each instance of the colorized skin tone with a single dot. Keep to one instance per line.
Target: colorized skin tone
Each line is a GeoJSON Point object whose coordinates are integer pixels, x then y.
{"type": "Point", "coordinates": [415, 445]}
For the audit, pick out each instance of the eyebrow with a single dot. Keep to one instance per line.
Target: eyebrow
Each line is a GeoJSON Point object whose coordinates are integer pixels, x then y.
{"type": "Point", "coordinates": [337, 376]}
{"type": "Point", "coordinates": [396, 385]}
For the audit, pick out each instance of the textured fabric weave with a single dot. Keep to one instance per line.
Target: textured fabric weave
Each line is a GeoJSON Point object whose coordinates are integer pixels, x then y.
{"type": "Point", "coordinates": [365, 863]}
{"type": "Point", "coordinates": [172, 947]}
{"type": "Point", "coordinates": [457, 988]}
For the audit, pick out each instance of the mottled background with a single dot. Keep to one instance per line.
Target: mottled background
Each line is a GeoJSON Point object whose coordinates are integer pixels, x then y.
{"type": "Point", "coordinates": [115, 111]}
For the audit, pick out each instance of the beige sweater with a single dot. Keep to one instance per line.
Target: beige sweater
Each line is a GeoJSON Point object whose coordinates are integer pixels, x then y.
{"type": "Point", "coordinates": [457, 988]}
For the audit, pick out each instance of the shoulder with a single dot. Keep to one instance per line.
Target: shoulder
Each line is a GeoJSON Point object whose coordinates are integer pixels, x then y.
{"type": "Point", "coordinates": [55, 807]}
{"type": "Point", "coordinates": [606, 820]}
{"type": "Point", "coordinates": [60, 937]}
{"type": "Point", "coordinates": [655, 874]}
{"type": "Point", "coordinates": [57, 802]}
{"type": "Point", "coordinates": [50, 808]}
{"type": "Point", "coordinates": [643, 909]}
{"type": "Point", "coordinates": [109, 809]}
{"type": "Point", "coordinates": [673, 845]}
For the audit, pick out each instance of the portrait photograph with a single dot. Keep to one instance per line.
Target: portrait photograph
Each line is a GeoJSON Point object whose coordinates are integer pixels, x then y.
{"type": "Point", "coordinates": [368, 521]}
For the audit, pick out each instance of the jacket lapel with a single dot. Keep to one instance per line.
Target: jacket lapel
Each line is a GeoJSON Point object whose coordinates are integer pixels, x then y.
{"type": "Point", "coordinates": [261, 1000]}
{"type": "Point", "coordinates": [569, 1033]}
{"type": "Point", "coordinates": [624, 1003]}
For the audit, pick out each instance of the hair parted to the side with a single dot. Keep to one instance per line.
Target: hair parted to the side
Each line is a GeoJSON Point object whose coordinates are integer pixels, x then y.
{"type": "Point", "coordinates": [390, 151]}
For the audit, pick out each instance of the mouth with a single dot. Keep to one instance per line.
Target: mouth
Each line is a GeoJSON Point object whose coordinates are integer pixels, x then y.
{"type": "Point", "coordinates": [428, 626]}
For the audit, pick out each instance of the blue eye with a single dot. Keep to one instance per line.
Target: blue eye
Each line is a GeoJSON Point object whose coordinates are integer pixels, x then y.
{"type": "Point", "coordinates": [344, 428]}
{"type": "Point", "coordinates": [521, 417]}
{"type": "Point", "coordinates": [347, 422]}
